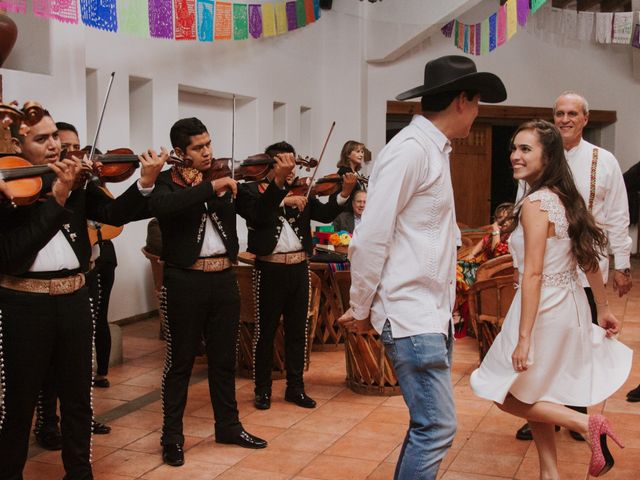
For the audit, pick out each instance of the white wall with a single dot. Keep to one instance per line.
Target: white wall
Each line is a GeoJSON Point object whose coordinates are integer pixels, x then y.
{"type": "Point", "coordinates": [322, 67]}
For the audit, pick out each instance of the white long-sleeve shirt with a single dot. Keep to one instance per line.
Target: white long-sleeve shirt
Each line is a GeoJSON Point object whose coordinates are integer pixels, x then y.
{"type": "Point", "coordinates": [403, 253]}
{"type": "Point", "coordinates": [610, 205]}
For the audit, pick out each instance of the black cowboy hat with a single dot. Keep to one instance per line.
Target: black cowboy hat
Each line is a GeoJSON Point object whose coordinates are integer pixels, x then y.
{"type": "Point", "coordinates": [457, 73]}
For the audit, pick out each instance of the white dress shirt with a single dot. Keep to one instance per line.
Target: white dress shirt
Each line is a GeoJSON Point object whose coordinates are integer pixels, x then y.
{"type": "Point", "coordinates": [403, 253]}
{"type": "Point", "coordinates": [212, 244]}
{"type": "Point", "coordinates": [610, 205]}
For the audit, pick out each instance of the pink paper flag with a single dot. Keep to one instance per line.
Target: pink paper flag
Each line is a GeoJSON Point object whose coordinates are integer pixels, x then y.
{"type": "Point", "coordinates": [460, 35]}
{"type": "Point", "coordinates": [62, 10]}
{"type": "Point", "coordinates": [472, 39]}
{"type": "Point", "coordinates": [18, 6]}
{"type": "Point", "coordinates": [502, 24]}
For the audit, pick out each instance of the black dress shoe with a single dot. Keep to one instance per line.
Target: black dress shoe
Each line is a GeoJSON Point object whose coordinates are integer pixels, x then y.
{"type": "Point", "coordinates": [98, 428]}
{"type": "Point", "coordinates": [50, 440]}
{"type": "Point", "coordinates": [101, 382]}
{"type": "Point", "coordinates": [243, 439]}
{"type": "Point", "coordinates": [301, 399]}
{"type": "Point", "coordinates": [634, 395]}
{"type": "Point", "coordinates": [262, 401]}
{"type": "Point", "coordinates": [173, 455]}
{"type": "Point", "coordinates": [524, 433]}
{"type": "Point", "coordinates": [576, 436]}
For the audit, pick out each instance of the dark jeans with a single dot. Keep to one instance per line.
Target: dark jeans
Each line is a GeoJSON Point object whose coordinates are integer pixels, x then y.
{"type": "Point", "coordinates": [195, 304]}
{"type": "Point", "coordinates": [40, 332]}
{"type": "Point", "coordinates": [282, 290]}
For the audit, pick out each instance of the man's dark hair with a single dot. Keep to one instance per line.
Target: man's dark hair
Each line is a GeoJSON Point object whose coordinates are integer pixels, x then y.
{"type": "Point", "coordinates": [183, 130]}
{"type": "Point", "coordinates": [440, 101]}
{"type": "Point", "coordinates": [280, 147]}
{"type": "Point", "coordinates": [66, 126]}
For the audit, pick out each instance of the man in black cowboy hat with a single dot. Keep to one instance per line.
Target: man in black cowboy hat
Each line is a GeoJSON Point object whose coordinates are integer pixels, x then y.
{"type": "Point", "coordinates": [403, 255]}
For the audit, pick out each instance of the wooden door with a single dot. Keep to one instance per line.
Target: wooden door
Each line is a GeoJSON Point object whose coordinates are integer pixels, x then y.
{"type": "Point", "coordinates": [471, 176]}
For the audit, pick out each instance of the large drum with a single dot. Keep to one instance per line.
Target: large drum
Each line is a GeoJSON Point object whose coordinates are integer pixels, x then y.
{"type": "Point", "coordinates": [328, 335]}
{"type": "Point", "coordinates": [244, 351]}
{"type": "Point", "coordinates": [369, 369]}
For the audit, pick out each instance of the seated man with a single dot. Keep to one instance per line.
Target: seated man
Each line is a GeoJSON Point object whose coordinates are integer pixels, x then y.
{"type": "Point", "coordinates": [349, 220]}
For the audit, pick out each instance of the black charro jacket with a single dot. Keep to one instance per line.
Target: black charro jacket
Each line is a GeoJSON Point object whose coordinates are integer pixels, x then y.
{"type": "Point", "coordinates": [24, 231]}
{"type": "Point", "coordinates": [263, 237]}
{"type": "Point", "coordinates": [182, 213]}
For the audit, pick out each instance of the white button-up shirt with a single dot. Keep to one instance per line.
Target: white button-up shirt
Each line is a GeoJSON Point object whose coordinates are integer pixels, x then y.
{"type": "Point", "coordinates": [403, 253]}
{"type": "Point", "coordinates": [610, 205]}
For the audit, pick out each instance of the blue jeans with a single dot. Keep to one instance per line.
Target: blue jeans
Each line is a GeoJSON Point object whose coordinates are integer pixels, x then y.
{"type": "Point", "coordinates": [423, 368]}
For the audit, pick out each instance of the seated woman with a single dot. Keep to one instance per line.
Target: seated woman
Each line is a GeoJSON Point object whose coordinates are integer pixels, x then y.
{"type": "Point", "coordinates": [492, 245]}
{"type": "Point", "coordinates": [349, 220]}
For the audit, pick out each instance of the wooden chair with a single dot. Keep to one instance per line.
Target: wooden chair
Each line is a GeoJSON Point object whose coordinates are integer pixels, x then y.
{"type": "Point", "coordinates": [248, 316]}
{"type": "Point", "coordinates": [489, 301]}
{"type": "Point", "coordinates": [496, 267]}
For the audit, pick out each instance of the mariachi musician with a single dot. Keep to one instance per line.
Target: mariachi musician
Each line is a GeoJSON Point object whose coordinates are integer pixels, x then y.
{"type": "Point", "coordinates": [281, 283]}
{"type": "Point", "coordinates": [46, 313]}
{"type": "Point", "coordinates": [200, 297]}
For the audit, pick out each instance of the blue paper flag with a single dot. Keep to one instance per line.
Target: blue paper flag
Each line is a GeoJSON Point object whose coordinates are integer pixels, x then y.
{"type": "Point", "coordinates": [205, 20]}
{"type": "Point", "coordinates": [493, 19]}
{"type": "Point", "coordinates": [100, 14]}
{"type": "Point", "coordinates": [316, 8]}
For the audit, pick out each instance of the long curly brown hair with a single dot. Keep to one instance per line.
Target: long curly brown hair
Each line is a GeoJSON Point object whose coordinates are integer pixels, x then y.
{"type": "Point", "coordinates": [588, 241]}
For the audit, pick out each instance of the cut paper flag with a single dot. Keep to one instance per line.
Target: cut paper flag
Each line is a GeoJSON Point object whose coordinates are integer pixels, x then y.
{"type": "Point", "coordinates": [268, 20]}
{"type": "Point", "coordinates": [636, 37]}
{"type": "Point", "coordinates": [472, 39]}
{"type": "Point", "coordinates": [484, 41]}
{"type": "Point", "coordinates": [512, 18]}
{"type": "Point", "coordinates": [460, 39]}
{"type": "Point", "coordinates": [301, 14]}
{"type": "Point", "coordinates": [161, 18]}
{"type": "Point", "coordinates": [493, 35]}
{"type": "Point", "coordinates": [222, 24]}
{"type": "Point", "coordinates": [447, 30]}
{"type": "Point", "coordinates": [478, 38]}
{"type": "Point", "coordinates": [292, 16]}
{"type": "Point", "coordinates": [17, 6]}
{"type": "Point", "coordinates": [502, 24]}
{"type": "Point", "coordinates": [569, 23]}
{"type": "Point", "coordinates": [316, 8]}
{"type": "Point", "coordinates": [100, 14]}
{"type": "Point", "coordinates": [604, 27]}
{"type": "Point", "coordinates": [133, 17]}
{"type": "Point", "coordinates": [465, 42]}
{"type": "Point", "coordinates": [536, 4]}
{"type": "Point", "coordinates": [205, 20]}
{"type": "Point", "coordinates": [523, 12]}
{"type": "Point", "coordinates": [185, 19]}
{"type": "Point", "coordinates": [240, 28]}
{"type": "Point", "coordinates": [622, 27]}
{"type": "Point", "coordinates": [61, 10]}
{"type": "Point", "coordinates": [585, 26]}
{"type": "Point", "coordinates": [281, 18]}
{"type": "Point", "coordinates": [255, 21]}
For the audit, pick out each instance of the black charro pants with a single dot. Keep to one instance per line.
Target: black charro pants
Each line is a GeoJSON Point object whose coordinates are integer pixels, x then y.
{"type": "Point", "coordinates": [197, 304]}
{"type": "Point", "coordinates": [281, 290]}
{"type": "Point", "coordinates": [40, 332]}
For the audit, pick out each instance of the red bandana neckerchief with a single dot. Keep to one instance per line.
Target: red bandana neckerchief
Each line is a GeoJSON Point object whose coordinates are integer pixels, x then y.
{"type": "Point", "coordinates": [186, 176]}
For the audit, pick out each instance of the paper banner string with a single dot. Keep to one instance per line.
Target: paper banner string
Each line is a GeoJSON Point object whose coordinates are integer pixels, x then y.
{"type": "Point", "coordinates": [636, 37]}
{"type": "Point", "coordinates": [292, 17]}
{"type": "Point", "coordinates": [100, 14]}
{"type": "Point", "coordinates": [281, 18]}
{"type": "Point", "coordinates": [484, 41]}
{"type": "Point", "coordinates": [61, 10]}
{"type": "Point", "coordinates": [222, 28]}
{"type": "Point", "coordinates": [493, 36]}
{"type": "Point", "coordinates": [523, 12]}
{"type": "Point", "coordinates": [472, 39]}
{"type": "Point", "coordinates": [478, 38]}
{"type": "Point", "coordinates": [502, 24]}
{"type": "Point", "coordinates": [240, 28]}
{"type": "Point", "coordinates": [161, 18]}
{"type": "Point", "coordinates": [133, 17]}
{"type": "Point", "coordinates": [310, 13]}
{"type": "Point", "coordinates": [255, 21]}
{"type": "Point", "coordinates": [18, 6]}
{"type": "Point", "coordinates": [512, 18]}
{"type": "Point", "coordinates": [447, 30]}
{"type": "Point", "coordinates": [204, 10]}
{"type": "Point", "coordinates": [268, 20]}
{"type": "Point", "coordinates": [622, 27]}
{"type": "Point", "coordinates": [536, 4]}
{"type": "Point", "coordinates": [301, 15]}
{"type": "Point", "coordinates": [316, 8]}
{"type": "Point", "coordinates": [185, 19]}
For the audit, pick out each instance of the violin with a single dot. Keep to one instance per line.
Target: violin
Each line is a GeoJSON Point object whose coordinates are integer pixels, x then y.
{"type": "Point", "coordinates": [23, 178]}
{"type": "Point", "coordinates": [327, 185]}
{"type": "Point", "coordinates": [253, 168]}
{"type": "Point", "coordinates": [116, 165]}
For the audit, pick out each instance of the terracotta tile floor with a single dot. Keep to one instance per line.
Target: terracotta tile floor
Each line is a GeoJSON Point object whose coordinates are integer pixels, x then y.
{"type": "Point", "coordinates": [348, 436]}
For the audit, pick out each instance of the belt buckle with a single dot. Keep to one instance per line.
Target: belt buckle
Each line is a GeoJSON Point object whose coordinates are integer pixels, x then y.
{"type": "Point", "coordinates": [61, 286]}
{"type": "Point", "coordinates": [212, 264]}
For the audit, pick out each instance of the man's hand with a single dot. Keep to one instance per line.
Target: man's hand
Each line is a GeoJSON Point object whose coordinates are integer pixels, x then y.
{"type": "Point", "coordinates": [152, 164]}
{"type": "Point", "coordinates": [621, 283]}
{"type": "Point", "coordinates": [66, 171]}
{"type": "Point", "coordinates": [353, 325]}
{"type": "Point", "coordinates": [296, 201]}
{"type": "Point", "coordinates": [4, 191]}
{"type": "Point", "coordinates": [224, 185]}
{"type": "Point", "coordinates": [349, 181]}
{"type": "Point", "coordinates": [285, 163]}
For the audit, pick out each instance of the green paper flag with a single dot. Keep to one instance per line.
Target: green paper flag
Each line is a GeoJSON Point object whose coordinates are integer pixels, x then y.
{"type": "Point", "coordinates": [301, 13]}
{"type": "Point", "coordinates": [455, 33]}
{"type": "Point", "coordinates": [536, 4]}
{"type": "Point", "coordinates": [133, 17]}
{"type": "Point", "coordinates": [240, 28]}
{"type": "Point", "coordinates": [484, 39]}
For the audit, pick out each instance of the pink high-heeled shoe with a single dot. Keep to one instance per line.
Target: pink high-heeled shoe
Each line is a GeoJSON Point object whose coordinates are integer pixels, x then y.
{"type": "Point", "coordinates": [601, 458]}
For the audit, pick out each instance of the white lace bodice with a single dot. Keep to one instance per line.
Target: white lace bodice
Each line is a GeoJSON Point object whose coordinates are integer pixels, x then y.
{"type": "Point", "coordinates": [559, 262]}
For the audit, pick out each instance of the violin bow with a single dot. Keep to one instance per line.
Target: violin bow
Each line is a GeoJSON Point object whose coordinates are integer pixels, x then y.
{"type": "Point", "coordinates": [94, 178]}
{"type": "Point", "coordinates": [233, 138]}
{"type": "Point", "coordinates": [313, 177]}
